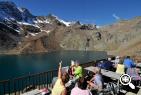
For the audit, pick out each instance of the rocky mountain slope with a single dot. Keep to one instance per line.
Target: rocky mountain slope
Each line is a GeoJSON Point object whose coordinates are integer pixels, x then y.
{"type": "Point", "coordinates": [22, 32]}
{"type": "Point", "coordinates": [127, 36]}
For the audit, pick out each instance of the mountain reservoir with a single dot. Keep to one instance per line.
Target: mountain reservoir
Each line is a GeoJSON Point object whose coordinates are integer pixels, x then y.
{"type": "Point", "coordinates": [12, 66]}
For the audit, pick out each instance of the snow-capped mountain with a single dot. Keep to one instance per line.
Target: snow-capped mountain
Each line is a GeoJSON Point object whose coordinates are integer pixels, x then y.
{"type": "Point", "coordinates": [21, 31]}
{"type": "Point", "coordinates": [12, 15]}
{"type": "Point", "coordinates": [60, 20]}
{"type": "Point", "coordinates": [9, 11]}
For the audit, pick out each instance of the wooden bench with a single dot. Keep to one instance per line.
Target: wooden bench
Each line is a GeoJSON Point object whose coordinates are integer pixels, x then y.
{"type": "Point", "coordinates": [106, 73]}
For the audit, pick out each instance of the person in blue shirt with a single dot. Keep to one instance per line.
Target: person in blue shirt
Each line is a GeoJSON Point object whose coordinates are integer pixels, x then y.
{"type": "Point", "coordinates": [128, 62]}
{"type": "Point", "coordinates": [106, 64]}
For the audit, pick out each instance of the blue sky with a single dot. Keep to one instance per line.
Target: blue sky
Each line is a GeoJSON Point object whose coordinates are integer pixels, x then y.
{"type": "Point", "coordinates": [100, 12]}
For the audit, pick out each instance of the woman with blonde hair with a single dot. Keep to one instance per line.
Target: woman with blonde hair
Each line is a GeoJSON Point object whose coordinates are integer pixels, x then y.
{"type": "Point", "coordinates": [59, 87]}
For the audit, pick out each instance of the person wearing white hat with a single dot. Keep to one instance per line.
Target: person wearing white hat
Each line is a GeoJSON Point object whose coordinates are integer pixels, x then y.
{"type": "Point", "coordinates": [72, 63]}
{"type": "Point", "coordinates": [109, 59]}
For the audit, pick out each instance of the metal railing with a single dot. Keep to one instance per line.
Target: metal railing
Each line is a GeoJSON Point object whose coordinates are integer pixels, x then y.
{"type": "Point", "coordinates": [32, 81]}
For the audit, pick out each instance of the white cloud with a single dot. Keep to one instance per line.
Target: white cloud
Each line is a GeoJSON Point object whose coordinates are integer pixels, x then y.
{"type": "Point", "coordinates": [97, 26]}
{"type": "Point", "coordinates": [116, 17]}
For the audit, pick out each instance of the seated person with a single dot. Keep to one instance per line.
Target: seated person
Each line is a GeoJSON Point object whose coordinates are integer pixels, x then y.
{"type": "Point", "coordinates": [78, 71]}
{"type": "Point", "coordinates": [81, 89]}
{"type": "Point", "coordinates": [128, 62]}
{"type": "Point", "coordinates": [72, 68]}
{"type": "Point", "coordinates": [120, 69]}
{"type": "Point", "coordinates": [96, 83]}
{"type": "Point", "coordinates": [117, 60]}
{"type": "Point", "coordinates": [133, 72]}
{"type": "Point", "coordinates": [106, 64]}
{"type": "Point", "coordinates": [59, 87]}
{"type": "Point", "coordinates": [99, 63]}
{"type": "Point", "coordinates": [136, 78]}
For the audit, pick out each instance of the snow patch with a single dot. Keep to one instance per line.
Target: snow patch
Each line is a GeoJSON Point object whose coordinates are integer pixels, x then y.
{"type": "Point", "coordinates": [9, 19]}
{"type": "Point", "coordinates": [62, 21]}
{"type": "Point", "coordinates": [20, 9]}
{"type": "Point", "coordinates": [11, 28]}
{"type": "Point", "coordinates": [25, 23]}
{"type": "Point", "coordinates": [17, 31]}
{"type": "Point", "coordinates": [46, 31]}
{"type": "Point", "coordinates": [32, 34]}
{"type": "Point", "coordinates": [41, 21]}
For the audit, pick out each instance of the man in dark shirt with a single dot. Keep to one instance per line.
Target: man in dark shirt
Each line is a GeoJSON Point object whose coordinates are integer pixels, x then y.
{"type": "Point", "coordinates": [107, 64]}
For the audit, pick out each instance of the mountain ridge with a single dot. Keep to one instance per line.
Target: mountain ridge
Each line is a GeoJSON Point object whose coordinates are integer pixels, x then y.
{"type": "Point", "coordinates": [36, 34]}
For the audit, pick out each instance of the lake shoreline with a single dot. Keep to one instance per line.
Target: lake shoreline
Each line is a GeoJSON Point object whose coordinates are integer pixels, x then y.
{"type": "Point", "coordinates": [44, 52]}
{"type": "Point", "coordinates": [16, 53]}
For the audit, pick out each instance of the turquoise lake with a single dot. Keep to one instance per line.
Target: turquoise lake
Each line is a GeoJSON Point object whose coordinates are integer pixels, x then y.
{"type": "Point", "coordinates": [12, 66]}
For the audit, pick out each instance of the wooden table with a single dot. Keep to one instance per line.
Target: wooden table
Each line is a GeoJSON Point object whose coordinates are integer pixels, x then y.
{"type": "Point", "coordinates": [33, 92]}
{"type": "Point", "coordinates": [106, 73]}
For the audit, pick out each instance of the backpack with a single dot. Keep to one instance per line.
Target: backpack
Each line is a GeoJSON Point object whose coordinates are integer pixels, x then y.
{"type": "Point", "coordinates": [113, 88]}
